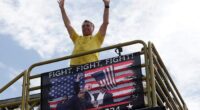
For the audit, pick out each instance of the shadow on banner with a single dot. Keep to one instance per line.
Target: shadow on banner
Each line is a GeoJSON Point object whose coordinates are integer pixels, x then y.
{"type": "Point", "coordinates": [110, 84]}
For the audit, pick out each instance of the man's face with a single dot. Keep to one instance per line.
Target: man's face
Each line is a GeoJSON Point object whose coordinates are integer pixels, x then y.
{"type": "Point", "coordinates": [102, 88]}
{"type": "Point", "coordinates": [81, 94]}
{"type": "Point", "coordinates": [87, 28]}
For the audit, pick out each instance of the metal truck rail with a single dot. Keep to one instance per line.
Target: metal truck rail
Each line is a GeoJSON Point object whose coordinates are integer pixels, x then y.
{"type": "Point", "coordinates": [159, 89]}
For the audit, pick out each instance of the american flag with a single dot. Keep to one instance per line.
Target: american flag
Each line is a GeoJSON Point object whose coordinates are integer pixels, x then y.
{"type": "Point", "coordinates": [106, 77]}
{"type": "Point", "coordinates": [117, 79]}
{"type": "Point", "coordinates": [62, 87]}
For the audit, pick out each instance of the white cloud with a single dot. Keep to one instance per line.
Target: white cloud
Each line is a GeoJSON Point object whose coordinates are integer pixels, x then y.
{"type": "Point", "coordinates": [137, 20]}
{"type": "Point", "coordinates": [34, 25]}
{"type": "Point", "coordinates": [38, 25]}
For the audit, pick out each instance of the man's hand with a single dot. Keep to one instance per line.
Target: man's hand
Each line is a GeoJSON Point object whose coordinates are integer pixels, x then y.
{"type": "Point", "coordinates": [79, 76]}
{"type": "Point", "coordinates": [61, 3]}
{"type": "Point", "coordinates": [106, 2]}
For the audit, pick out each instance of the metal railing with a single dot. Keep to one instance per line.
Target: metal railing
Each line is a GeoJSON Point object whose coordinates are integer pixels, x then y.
{"type": "Point", "coordinates": [157, 79]}
{"type": "Point", "coordinates": [164, 91]}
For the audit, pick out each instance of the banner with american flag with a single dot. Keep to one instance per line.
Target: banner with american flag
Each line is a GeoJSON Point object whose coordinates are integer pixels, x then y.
{"type": "Point", "coordinates": [110, 84]}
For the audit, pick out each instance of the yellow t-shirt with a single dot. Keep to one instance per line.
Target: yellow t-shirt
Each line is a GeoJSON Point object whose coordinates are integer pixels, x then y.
{"type": "Point", "coordinates": [83, 44]}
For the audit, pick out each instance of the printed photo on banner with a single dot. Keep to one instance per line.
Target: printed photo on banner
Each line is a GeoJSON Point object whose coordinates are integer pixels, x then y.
{"type": "Point", "coordinates": [115, 86]}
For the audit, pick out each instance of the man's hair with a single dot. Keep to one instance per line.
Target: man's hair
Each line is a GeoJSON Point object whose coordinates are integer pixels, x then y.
{"type": "Point", "coordinates": [87, 21]}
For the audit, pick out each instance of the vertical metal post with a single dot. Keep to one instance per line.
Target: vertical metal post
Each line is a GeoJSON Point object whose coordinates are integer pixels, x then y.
{"type": "Point", "coordinates": [27, 88]}
{"type": "Point", "coordinates": [152, 76]}
{"type": "Point", "coordinates": [148, 77]}
{"type": "Point", "coordinates": [24, 91]}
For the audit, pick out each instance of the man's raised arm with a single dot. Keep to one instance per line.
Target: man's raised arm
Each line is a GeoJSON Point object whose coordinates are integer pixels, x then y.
{"type": "Point", "coordinates": [65, 18]}
{"type": "Point", "coordinates": [104, 26]}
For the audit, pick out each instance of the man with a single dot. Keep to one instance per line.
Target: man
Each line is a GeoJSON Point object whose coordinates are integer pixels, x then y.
{"type": "Point", "coordinates": [103, 97]}
{"type": "Point", "coordinates": [88, 41]}
{"type": "Point", "coordinates": [77, 101]}
{"type": "Point", "coordinates": [86, 99]}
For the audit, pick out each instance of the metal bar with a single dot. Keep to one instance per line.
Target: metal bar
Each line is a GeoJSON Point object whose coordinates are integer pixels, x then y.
{"type": "Point", "coordinates": [166, 91]}
{"type": "Point", "coordinates": [185, 107]}
{"type": "Point", "coordinates": [167, 82]}
{"type": "Point", "coordinates": [18, 103]}
{"type": "Point", "coordinates": [164, 96]}
{"type": "Point", "coordinates": [160, 102]}
{"type": "Point", "coordinates": [144, 50]}
{"type": "Point", "coordinates": [35, 76]}
{"type": "Point", "coordinates": [152, 76]}
{"type": "Point", "coordinates": [145, 90]}
{"type": "Point", "coordinates": [143, 65]}
{"type": "Point", "coordinates": [144, 78]}
{"type": "Point", "coordinates": [34, 88]}
{"type": "Point", "coordinates": [169, 76]}
{"type": "Point", "coordinates": [88, 52]}
{"type": "Point", "coordinates": [11, 82]}
{"type": "Point", "coordinates": [33, 105]}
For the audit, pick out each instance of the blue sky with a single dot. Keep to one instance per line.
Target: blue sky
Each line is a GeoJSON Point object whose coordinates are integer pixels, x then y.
{"type": "Point", "coordinates": [33, 31]}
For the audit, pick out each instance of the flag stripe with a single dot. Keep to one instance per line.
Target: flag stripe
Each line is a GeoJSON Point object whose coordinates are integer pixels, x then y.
{"type": "Point", "coordinates": [127, 93]}
{"type": "Point", "coordinates": [122, 92]}
{"type": "Point", "coordinates": [54, 102]}
{"type": "Point", "coordinates": [121, 99]}
{"type": "Point", "coordinates": [120, 89]}
{"type": "Point", "coordinates": [109, 78]}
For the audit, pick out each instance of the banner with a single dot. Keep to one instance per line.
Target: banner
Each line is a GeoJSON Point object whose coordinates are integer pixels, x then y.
{"type": "Point", "coordinates": [110, 84]}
